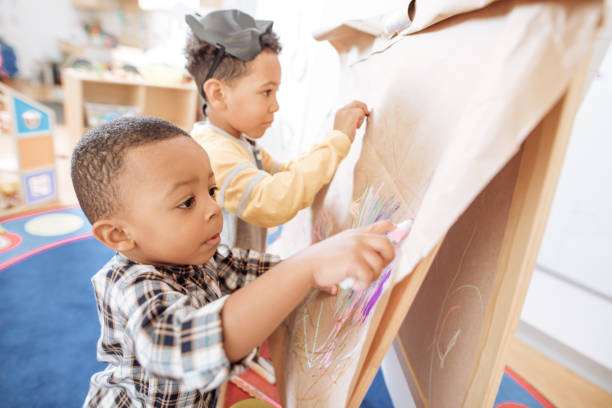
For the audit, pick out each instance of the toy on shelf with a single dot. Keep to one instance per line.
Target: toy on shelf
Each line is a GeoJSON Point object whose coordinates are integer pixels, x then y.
{"type": "Point", "coordinates": [27, 160]}
{"type": "Point", "coordinates": [99, 113]}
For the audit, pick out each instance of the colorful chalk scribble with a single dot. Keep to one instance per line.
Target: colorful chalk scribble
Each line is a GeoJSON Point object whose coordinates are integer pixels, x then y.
{"type": "Point", "coordinates": [328, 331]}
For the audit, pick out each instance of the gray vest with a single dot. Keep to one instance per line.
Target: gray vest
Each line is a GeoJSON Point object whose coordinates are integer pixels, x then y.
{"type": "Point", "coordinates": [236, 232]}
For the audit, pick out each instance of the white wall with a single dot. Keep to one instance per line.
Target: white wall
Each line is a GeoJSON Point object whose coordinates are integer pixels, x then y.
{"type": "Point", "coordinates": [577, 241]}
{"type": "Point", "coordinates": [570, 296]}
{"type": "Point", "coordinates": [33, 27]}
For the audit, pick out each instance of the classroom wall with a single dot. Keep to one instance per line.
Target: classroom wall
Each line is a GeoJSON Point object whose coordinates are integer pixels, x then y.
{"type": "Point", "coordinates": [33, 27]}
{"type": "Point", "coordinates": [570, 296]}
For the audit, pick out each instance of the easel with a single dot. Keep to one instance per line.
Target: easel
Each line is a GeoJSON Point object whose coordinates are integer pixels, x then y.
{"type": "Point", "coordinates": [537, 168]}
{"type": "Point", "coordinates": [453, 316]}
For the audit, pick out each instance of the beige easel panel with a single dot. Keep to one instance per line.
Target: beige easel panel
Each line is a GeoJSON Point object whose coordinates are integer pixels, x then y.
{"type": "Point", "coordinates": [452, 106]}
{"type": "Point", "coordinates": [458, 358]}
{"type": "Point", "coordinates": [441, 330]}
{"type": "Point", "coordinates": [36, 152]}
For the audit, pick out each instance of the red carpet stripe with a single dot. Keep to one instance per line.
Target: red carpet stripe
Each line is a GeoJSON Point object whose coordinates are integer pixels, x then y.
{"type": "Point", "coordinates": [43, 249]}
{"type": "Point", "coordinates": [534, 393]}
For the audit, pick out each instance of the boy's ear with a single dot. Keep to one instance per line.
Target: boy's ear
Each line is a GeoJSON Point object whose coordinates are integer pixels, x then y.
{"type": "Point", "coordinates": [215, 93]}
{"type": "Point", "coordinates": [112, 234]}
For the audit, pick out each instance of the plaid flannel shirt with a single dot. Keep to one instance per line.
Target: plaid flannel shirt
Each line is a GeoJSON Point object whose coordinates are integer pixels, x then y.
{"type": "Point", "coordinates": [161, 332]}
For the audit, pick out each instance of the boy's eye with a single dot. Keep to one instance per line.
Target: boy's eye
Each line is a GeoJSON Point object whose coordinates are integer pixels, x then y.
{"type": "Point", "coordinates": [267, 92]}
{"type": "Point", "coordinates": [187, 203]}
{"type": "Point", "coordinates": [212, 191]}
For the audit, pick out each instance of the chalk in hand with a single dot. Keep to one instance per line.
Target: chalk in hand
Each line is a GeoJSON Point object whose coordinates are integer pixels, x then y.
{"type": "Point", "coordinates": [396, 236]}
{"type": "Point", "coordinates": [347, 283]}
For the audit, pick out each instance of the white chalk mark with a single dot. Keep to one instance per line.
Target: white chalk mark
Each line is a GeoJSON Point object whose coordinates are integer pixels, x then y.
{"type": "Point", "coordinates": [449, 347]}
{"type": "Point", "coordinates": [448, 291]}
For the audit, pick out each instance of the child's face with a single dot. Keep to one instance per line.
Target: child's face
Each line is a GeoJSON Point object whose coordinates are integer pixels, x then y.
{"type": "Point", "coordinates": [168, 206]}
{"type": "Point", "coordinates": [251, 100]}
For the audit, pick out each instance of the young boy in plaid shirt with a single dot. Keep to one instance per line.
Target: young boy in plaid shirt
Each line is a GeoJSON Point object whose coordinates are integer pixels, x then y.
{"type": "Point", "coordinates": [179, 313]}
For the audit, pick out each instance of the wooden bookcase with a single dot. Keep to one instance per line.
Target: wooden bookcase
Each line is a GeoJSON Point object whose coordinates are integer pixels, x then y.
{"type": "Point", "coordinates": [175, 103]}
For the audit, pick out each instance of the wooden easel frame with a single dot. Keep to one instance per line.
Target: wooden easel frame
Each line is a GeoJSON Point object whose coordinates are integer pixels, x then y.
{"type": "Point", "coordinates": [540, 167]}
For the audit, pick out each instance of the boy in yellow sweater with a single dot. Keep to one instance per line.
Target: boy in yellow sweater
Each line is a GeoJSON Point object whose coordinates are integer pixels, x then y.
{"type": "Point", "coordinates": [233, 60]}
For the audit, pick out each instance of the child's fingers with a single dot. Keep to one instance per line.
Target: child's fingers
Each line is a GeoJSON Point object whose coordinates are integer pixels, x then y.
{"type": "Point", "coordinates": [375, 263]}
{"type": "Point", "coordinates": [332, 290]}
{"type": "Point", "coordinates": [375, 253]}
{"type": "Point", "coordinates": [362, 119]}
{"type": "Point", "coordinates": [375, 239]}
{"type": "Point", "coordinates": [363, 273]}
{"type": "Point", "coordinates": [362, 106]}
{"type": "Point", "coordinates": [379, 227]}
{"type": "Point", "coordinates": [381, 246]}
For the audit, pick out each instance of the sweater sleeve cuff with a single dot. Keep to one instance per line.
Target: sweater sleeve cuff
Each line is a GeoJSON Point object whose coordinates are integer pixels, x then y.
{"type": "Point", "coordinates": [340, 141]}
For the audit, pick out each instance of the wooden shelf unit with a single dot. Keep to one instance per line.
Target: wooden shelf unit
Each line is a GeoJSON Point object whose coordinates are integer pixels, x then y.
{"type": "Point", "coordinates": [174, 103]}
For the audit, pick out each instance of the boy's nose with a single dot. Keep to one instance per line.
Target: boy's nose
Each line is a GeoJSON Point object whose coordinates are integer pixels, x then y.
{"type": "Point", "coordinates": [213, 211]}
{"type": "Point", "coordinates": [274, 107]}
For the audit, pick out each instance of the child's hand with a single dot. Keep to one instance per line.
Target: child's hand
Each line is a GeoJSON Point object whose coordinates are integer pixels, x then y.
{"type": "Point", "coordinates": [350, 117]}
{"type": "Point", "coordinates": [359, 253]}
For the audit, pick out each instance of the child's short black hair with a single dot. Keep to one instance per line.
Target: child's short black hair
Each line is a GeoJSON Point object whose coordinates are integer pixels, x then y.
{"type": "Point", "coordinates": [201, 54]}
{"type": "Point", "coordinates": [98, 158]}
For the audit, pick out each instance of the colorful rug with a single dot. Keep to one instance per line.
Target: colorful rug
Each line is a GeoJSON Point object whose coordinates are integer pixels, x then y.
{"type": "Point", "coordinates": [515, 392]}
{"type": "Point", "coordinates": [50, 322]}
{"type": "Point", "coordinates": [48, 312]}
{"type": "Point", "coordinates": [26, 235]}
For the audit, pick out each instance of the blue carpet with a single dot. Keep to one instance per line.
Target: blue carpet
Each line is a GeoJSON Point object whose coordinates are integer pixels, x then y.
{"type": "Point", "coordinates": [377, 395]}
{"type": "Point", "coordinates": [511, 394]}
{"type": "Point", "coordinates": [50, 326]}
{"type": "Point", "coordinates": [511, 391]}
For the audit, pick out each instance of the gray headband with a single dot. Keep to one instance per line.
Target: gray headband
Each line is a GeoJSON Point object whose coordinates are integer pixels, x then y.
{"type": "Point", "coordinates": [237, 32]}
{"type": "Point", "coordinates": [232, 32]}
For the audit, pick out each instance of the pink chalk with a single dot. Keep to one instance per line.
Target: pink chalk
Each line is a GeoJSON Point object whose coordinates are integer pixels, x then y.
{"type": "Point", "coordinates": [398, 234]}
